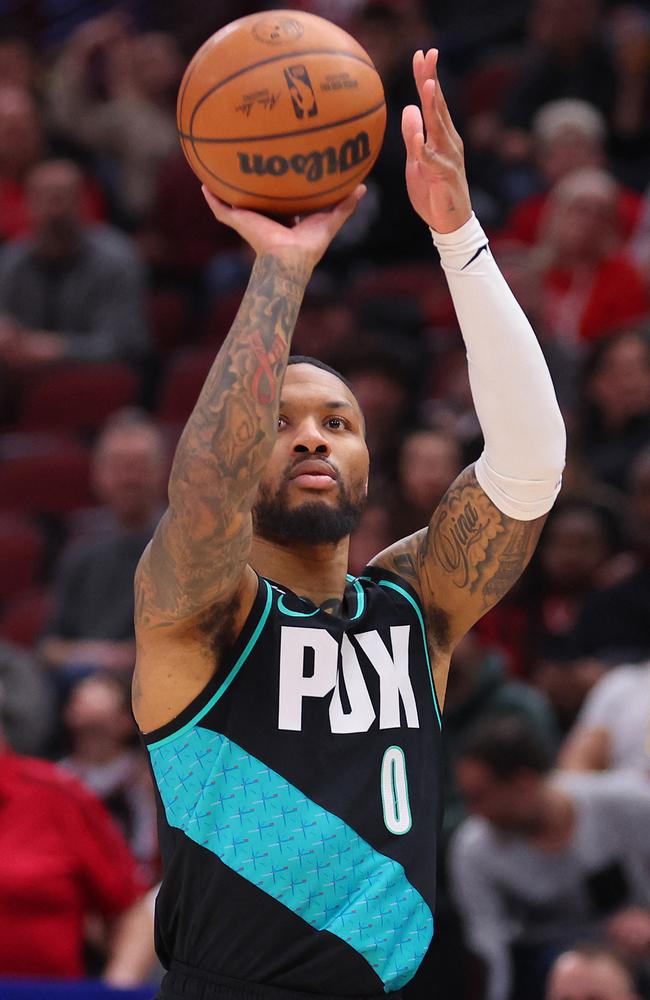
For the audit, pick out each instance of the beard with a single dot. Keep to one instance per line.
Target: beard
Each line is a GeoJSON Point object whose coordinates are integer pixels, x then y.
{"type": "Point", "coordinates": [312, 523]}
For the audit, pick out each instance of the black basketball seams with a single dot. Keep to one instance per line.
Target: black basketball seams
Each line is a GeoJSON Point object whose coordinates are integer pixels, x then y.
{"type": "Point", "coordinates": [266, 62]}
{"type": "Point", "coordinates": [282, 135]}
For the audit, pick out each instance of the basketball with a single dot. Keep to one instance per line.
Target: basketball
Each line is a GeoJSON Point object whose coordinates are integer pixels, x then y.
{"type": "Point", "coordinates": [282, 112]}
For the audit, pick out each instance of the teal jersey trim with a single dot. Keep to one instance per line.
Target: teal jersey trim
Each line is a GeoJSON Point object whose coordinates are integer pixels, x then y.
{"type": "Point", "coordinates": [361, 597]}
{"type": "Point", "coordinates": [308, 859]}
{"type": "Point", "coordinates": [294, 614]}
{"type": "Point", "coordinates": [229, 679]}
{"type": "Point", "coordinates": [405, 593]}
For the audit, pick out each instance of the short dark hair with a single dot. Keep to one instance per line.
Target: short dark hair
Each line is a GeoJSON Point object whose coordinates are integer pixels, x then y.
{"type": "Point", "coordinates": [304, 359]}
{"type": "Point", "coordinates": [507, 746]}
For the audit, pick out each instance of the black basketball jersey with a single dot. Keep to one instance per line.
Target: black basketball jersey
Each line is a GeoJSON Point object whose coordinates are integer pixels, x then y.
{"type": "Point", "coordinates": [299, 798]}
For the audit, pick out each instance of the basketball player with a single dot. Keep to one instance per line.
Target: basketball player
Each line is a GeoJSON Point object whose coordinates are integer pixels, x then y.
{"type": "Point", "coordinates": [292, 713]}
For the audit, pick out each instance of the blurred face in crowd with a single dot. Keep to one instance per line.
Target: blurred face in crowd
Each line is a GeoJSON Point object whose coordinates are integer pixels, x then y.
{"type": "Point", "coordinates": [574, 545]}
{"type": "Point", "coordinates": [18, 66]}
{"type": "Point", "coordinates": [21, 134]}
{"type": "Point", "coordinates": [382, 398]}
{"type": "Point", "coordinates": [585, 226]}
{"type": "Point", "coordinates": [373, 535]}
{"type": "Point", "coordinates": [620, 384]}
{"type": "Point", "coordinates": [55, 201]}
{"type": "Point", "coordinates": [428, 464]}
{"type": "Point", "coordinates": [512, 805]}
{"type": "Point", "coordinates": [130, 469]}
{"type": "Point", "coordinates": [97, 710]}
{"type": "Point", "coordinates": [589, 977]}
{"type": "Point", "coordinates": [570, 149]}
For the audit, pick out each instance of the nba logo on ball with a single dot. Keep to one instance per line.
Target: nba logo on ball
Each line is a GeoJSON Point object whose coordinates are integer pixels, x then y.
{"type": "Point", "coordinates": [283, 113]}
{"type": "Point", "coordinates": [301, 91]}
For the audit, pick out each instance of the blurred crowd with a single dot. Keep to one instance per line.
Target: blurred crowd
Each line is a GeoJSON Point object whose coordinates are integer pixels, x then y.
{"type": "Point", "coordinates": [117, 287]}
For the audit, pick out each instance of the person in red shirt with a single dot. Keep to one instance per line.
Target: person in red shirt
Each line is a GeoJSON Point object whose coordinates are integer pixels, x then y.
{"type": "Point", "coordinates": [62, 860]}
{"type": "Point", "coordinates": [591, 287]}
{"type": "Point", "coordinates": [568, 134]}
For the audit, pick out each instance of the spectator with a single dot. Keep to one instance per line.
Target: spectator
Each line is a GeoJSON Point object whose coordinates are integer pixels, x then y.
{"type": "Point", "coordinates": [62, 861]}
{"type": "Point", "coordinates": [22, 145]}
{"type": "Point", "coordinates": [575, 556]}
{"type": "Point", "coordinates": [429, 461]}
{"type": "Point", "coordinates": [26, 701]}
{"type": "Point", "coordinates": [99, 728]}
{"type": "Point", "coordinates": [615, 423]}
{"type": "Point", "coordinates": [72, 291]}
{"type": "Point", "coordinates": [545, 860]}
{"type": "Point", "coordinates": [591, 287]}
{"type": "Point", "coordinates": [590, 973]}
{"type": "Point", "coordinates": [92, 623]}
{"type": "Point", "coordinates": [376, 531]}
{"type": "Point", "coordinates": [615, 622]}
{"type": "Point", "coordinates": [133, 131]}
{"type": "Point", "coordinates": [478, 690]}
{"type": "Point", "coordinates": [568, 135]}
{"type": "Point", "coordinates": [612, 731]}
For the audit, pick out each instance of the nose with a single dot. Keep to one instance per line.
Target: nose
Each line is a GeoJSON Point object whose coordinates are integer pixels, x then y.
{"type": "Point", "coordinates": [309, 439]}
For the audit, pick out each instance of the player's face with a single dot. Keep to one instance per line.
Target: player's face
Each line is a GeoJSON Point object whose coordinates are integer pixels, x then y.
{"type": "Point", "coordinates": [315, 484]}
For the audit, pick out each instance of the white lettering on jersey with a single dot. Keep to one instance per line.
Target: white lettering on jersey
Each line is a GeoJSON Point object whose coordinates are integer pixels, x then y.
{"type": "Point", "coordinates": [361, 715]}
{"type": "Point", "coordinates": [394, 679]}
{"type": "Point", "coordinates": [294, 686]}
{"type": "Point", "coordinates": [393, 671]}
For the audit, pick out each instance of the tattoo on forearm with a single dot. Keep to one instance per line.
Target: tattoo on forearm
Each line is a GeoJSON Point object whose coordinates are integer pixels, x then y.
{"type": "Point", "coordinates": [203, 541]}
{"type": "Point", "coordinates": [468, 558]}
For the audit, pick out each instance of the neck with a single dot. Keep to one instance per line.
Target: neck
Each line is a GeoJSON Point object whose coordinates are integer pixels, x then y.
{"type": "Point", "coordinates": [313, 571]}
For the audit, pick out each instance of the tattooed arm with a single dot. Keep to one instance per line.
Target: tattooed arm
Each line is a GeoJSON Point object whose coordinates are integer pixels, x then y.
{"type": "Point", "coordinates": [465, 561]}
{"type": "Point", "coordinates": [193, 580]}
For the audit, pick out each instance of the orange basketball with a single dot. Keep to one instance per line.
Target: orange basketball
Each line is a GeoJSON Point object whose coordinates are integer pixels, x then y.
{"type": "Point", "coordinates": [282, 112]}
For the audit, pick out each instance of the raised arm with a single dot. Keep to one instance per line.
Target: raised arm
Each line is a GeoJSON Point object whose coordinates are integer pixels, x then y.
{"type": "Point", "coordinates": [487, 525]}
{"type": "Point", "coordinates": [195, 567]}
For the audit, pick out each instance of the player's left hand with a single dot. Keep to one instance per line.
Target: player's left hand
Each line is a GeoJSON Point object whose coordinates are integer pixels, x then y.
{"type": "Point", "coordinates": [435, 164]}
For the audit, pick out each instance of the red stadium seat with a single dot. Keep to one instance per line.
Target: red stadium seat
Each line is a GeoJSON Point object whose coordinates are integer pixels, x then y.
{"type": "Point", "coordinates": [43, 474]}
{"type": "Point", "coordinates": [24, 617]}
{"type": "Point", "coordinates": [77, 397]}
{"type": "Point", "coordinates": [21, 554]}
{"type": "Point", "coordinates": [182, 385]}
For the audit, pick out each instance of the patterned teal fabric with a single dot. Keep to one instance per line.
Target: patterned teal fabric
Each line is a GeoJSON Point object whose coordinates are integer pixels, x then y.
{"type": "Point", "coordinates": [267, 831]}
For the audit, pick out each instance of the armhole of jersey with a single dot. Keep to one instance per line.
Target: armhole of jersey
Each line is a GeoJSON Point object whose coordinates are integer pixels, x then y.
{"type": "Point", "coordinates": [391, 581]}
{"type": "Point", "coordinates": [219, 684]}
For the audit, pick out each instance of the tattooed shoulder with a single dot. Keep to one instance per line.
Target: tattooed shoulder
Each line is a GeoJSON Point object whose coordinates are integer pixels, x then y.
{"type": "Point", "coordinates": [467, 559]}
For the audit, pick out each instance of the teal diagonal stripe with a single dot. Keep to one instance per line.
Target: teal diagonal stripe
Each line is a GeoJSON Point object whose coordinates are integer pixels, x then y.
{"type": "Point", "coordinates": [270, 833]}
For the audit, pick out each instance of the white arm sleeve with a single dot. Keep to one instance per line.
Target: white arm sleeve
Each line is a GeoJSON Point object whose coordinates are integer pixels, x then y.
{"type": "Point", "coordinates": [521, 465]}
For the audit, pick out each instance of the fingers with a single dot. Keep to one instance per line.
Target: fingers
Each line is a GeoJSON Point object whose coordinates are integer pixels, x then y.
{"type": "Point", "coordinates": [342, 211]}
{"type": "Point", "coordinates": [413, 131]}
{"type": "Point", "coordinates": [434, 106]}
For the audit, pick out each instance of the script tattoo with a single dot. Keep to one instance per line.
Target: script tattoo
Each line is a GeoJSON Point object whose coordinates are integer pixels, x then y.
{"type": "Point", "coordinates": [466, 560]}
{"type": "Point", "coordinates": [201, 546]}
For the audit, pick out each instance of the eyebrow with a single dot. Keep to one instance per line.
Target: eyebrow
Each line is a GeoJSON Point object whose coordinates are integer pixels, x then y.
{"type": "Point", "coordinates": [332, 404]}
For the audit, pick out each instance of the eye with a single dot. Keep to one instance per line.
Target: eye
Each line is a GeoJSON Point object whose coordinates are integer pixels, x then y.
{"type": "Point", "coordinates": [282, 423]}
{"type": "Point", "coordinates": [336, 423]}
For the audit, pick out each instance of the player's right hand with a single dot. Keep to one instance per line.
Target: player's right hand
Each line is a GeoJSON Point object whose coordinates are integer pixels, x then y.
{"type": "Point", "coordinates": [306, 241]}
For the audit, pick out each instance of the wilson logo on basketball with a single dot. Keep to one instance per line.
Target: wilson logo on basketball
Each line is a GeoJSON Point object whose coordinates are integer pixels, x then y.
{"type": "Point", "coordinates": [313, 166]}
{"type": "Point", "coordinates": [301, 91]}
